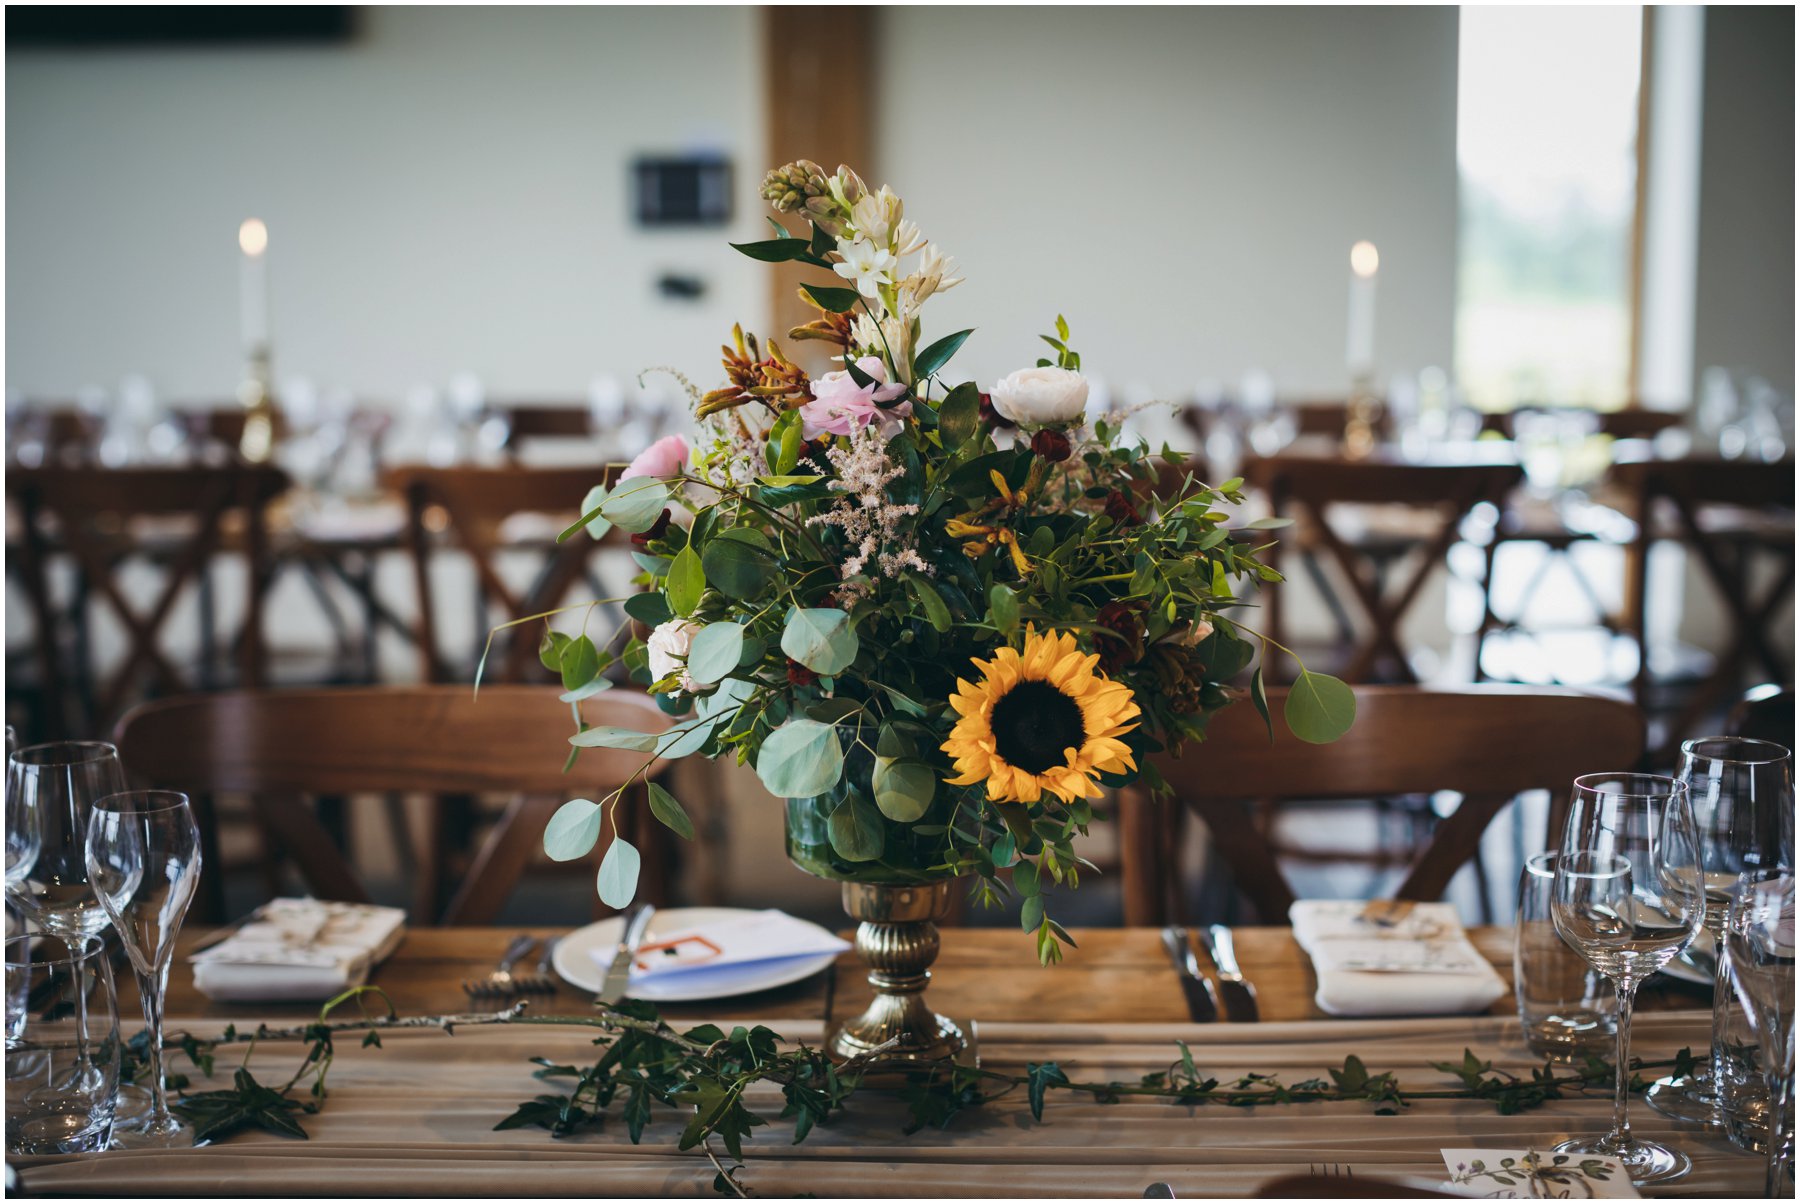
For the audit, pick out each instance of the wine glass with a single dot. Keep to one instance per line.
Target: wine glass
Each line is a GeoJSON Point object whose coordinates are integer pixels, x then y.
{"type": "Point", "coordinates": [143, 858]}
{"type": "Point", "coordinates": [22, 834]}
{"type": "Point", "coordinates": [1742, 792]}
{"type": "Point", "coordinates": [1759, 955]}
{"type": "Point", "coordinates": [1628, 898]}
{"type": "Point", "coordinates": [51, 789]}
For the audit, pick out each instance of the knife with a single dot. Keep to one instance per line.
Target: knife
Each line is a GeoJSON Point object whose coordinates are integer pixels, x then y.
{"type": "Point", "coordinates": [1234, 989]}
{"type": "Point", "coordinates": [618, 975]}
{"type": "Point", "coordinates": [1203, 1007]}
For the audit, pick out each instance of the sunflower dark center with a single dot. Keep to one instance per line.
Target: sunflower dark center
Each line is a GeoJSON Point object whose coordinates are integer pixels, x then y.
{"type": "Point", "coordinates": [1033, 723]}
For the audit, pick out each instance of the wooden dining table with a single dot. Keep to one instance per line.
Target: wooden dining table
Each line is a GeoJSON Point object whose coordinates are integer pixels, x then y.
{"type": "Point", "coordinates": [417, 1116]}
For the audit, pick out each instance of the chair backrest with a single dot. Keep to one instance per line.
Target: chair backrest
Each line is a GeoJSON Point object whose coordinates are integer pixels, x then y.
{"type": "Point", "coordinates": [277, 745]}
{"type": "Point", "coordinates": [1305, 487]}
{"type": "Point", "coordinates": [86, 513]}
{"type": "Point", "coordinates": [1764, 713]}
{"type": "Point", "coordinates": [472, 503]}
{"type": "Point", "coordinates": [537, 421]}
{"type": "Point", "coordinates": [1488, 743]}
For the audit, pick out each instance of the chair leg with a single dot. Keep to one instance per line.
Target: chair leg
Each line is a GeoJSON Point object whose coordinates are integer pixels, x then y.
{"type": "Point", "coordinates": [1141, 865]}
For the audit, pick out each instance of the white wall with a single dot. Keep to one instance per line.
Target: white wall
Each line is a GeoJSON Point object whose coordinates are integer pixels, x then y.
{"type": "Point", "coordinates": [1184, 184]}
{"type": "Point", "coordinates": [447, 192]}
{"type": "Point", "coordinates": [1744, 309]}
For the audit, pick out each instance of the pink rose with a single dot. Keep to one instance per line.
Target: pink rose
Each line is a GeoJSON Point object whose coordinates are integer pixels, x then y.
{"type": "Point", "coordinates": [665, 458]}
{"type": "Point", "coordinates": [840, 406]}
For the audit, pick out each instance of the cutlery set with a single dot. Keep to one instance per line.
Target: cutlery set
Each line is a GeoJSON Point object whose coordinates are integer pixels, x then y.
{"type": "Point", "coordinates": [1233, 992]}
{"type": "Point", "coordinates": [503, 983]}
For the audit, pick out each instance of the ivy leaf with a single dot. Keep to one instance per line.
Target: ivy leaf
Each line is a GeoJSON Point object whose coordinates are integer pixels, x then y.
{"type": "Point", "coordinates": [1039, 1078]}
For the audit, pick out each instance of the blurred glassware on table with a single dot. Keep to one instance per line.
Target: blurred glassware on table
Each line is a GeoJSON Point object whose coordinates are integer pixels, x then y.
{"type": "Point", "coordinates": [143, 858]}
{"type": "Point", "coordinates": [63, 1051]}
{"type": "Point", "coordinates": [55, 787]}
{"type": "Point", "coordinates": [1759, 951]}
{"type": "Point", "coordinates": [1628, 897]}
{"type": "Point", "coordinates": [1567, 1009]}
{"type": "Point", "coordinates": [1742, 792]}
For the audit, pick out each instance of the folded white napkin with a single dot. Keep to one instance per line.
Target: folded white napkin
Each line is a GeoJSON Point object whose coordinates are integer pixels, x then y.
{"type": "Point", "coordinates": [755, 938]}
{"type": "Point", "coordinates": [1422, 966]}
{"type": "Point", "coordinates": [298, 949]}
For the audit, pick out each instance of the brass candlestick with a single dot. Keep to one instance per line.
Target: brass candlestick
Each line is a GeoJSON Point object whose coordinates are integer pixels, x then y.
{"type": "Point", "coordinates": [1363, 423]}
{"type": "Point", "coordinates": [256, 395]}
{"type": "Point", "coordinates": [897, 936]}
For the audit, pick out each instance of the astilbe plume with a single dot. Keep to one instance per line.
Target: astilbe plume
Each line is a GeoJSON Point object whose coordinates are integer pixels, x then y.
{"type": "Point", "coordinates": [873, 525]}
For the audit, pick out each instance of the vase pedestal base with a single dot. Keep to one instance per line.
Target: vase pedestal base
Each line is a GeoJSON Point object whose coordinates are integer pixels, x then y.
{"type": "Point", "coordinates": [897, 938]}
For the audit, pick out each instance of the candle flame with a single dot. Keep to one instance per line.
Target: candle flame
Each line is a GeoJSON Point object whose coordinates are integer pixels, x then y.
{"type": "Point", "coordinates": [253, 237]}
{"type": "Point", "coordinates": [1364, 259]}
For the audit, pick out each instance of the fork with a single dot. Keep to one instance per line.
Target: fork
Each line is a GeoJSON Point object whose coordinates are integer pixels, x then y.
{"type": "Point", "coordinates": [500, 982]}
{"type": "Point", "coordinates": [539, 982]}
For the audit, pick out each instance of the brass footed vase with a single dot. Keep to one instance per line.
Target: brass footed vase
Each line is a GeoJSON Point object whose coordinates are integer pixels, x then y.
{"type": "Point", "coordinates": [897, 937]}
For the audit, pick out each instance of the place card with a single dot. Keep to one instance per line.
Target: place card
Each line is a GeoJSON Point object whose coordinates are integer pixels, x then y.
{"type": "Point", "coordinates": [1400, 957]}
{"type": "Point", "coordinates": [1537, 1175]}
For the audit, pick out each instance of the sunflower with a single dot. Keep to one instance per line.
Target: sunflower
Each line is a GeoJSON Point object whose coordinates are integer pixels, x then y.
{"type": "Point", "coordinates": [1038, 720]}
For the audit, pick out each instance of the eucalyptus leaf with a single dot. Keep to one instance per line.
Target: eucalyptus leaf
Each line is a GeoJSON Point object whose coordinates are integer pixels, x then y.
{"type": "Point", "coordinates": [855, 830]}
{"type": "Point", "coordinates": [574, 830]}
{"type": "Point", "coordinates": [649, 608]}
{"type": "Point", "coordinates": [715, 652]}
{"type": "Point", "coordinates": [578, 663]}
{"type": "Point", "coordinates": [635, 505]}
{"type": "Point", "coordinates": [959, 416]}
{"type": "Point", "coordinates": [800, 759]}
{"type": "Point", "coordinates": [686, 582]}
{"type": "Point", "coordinates": [598, 526]}
{"type": "Point", "coordinates": [617, 737]}
{"type": "Point", "coordinates": [1005, 606]}
{"type": "Point", "coordinates": [903, 789]}
{"type": "Point", "coordinates": [618, 877]}
{"type": "Point", "coordinates": [670, 812]}
{"type": "Point", "coordinates": [820, 638]}
{"type": "Point", "coordinates": [1320, 708]}
{"type": "Point", "coordinates": [737, 567]}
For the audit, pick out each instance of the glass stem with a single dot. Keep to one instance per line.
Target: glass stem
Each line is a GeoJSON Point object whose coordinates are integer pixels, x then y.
{"type": "Point", "coordinates": [1626, 988]}
{"type": "Point", "coordinates": [151, 989]}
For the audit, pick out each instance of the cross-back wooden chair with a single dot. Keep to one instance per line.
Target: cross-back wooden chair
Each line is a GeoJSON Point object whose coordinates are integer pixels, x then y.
{"type": "Point", "coordinates": [1730, 514]}
{"type": "Point", "coordinates": [469, 505]}
{"type": "Point", "coordinates": [279, 746]}
{"type": "Point", "coordinates": [1304, 487]}
{"type": "Point", "coordinates": [88, 514]}
{"type": "Point", "coordinates": [539, 421]}
{"type": "Point", "coordinates": [1487, 743]}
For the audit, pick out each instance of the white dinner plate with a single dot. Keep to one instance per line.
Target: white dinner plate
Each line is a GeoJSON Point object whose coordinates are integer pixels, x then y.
{"type": "Point", "coordinates": [574, 960]}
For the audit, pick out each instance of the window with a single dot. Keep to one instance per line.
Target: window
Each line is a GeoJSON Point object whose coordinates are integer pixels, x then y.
{"type": "Point", "coordinates": [1546, 149]}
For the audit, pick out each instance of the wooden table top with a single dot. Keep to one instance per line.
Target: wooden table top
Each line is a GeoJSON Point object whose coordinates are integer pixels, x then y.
{"type": "Point", "coordinates": [1119, 975]}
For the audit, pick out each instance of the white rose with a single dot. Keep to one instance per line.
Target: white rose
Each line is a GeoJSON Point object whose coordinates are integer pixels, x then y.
{"type": "Point", "coordinates": [1194, 633]}
{"type": "Point", "coordinates": [668, 649]}
{"type": "Point", "coordinates": [1040, 396]}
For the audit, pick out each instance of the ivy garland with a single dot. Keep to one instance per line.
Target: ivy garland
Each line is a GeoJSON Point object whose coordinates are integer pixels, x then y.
{"type": "Point", "coordinates": [706, 1072]}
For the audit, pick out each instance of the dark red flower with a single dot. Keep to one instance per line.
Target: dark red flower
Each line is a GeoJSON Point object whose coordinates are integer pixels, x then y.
{"type": "Point", "coordinates": [1123, 643]}
{"type": "Point", "coordinates": [993, 418]}
{"type": "Point", "coordinates": [657, 530]}
{"type": "Point", "coordinates": [1051, 445]}
{"type": "Point", "coordinates": [799, 675]}
{"type": "Point", "coordinates": [1121, 509]}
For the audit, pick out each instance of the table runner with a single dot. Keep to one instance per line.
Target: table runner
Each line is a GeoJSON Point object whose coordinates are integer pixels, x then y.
{"type": "Point", "coordinates": [416, 1118]}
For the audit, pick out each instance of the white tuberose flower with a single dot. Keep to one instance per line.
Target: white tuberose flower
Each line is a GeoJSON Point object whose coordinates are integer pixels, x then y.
{"type": "Point", "coordinates": [865, 263]}
{"type": "Point", "coordinates": [1040, 396]}
{"type": "Point", "coordinates": [667, 648]}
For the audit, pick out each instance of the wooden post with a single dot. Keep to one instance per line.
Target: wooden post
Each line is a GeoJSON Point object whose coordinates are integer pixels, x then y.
{"type": "Point", "coordinates": [820, 101]}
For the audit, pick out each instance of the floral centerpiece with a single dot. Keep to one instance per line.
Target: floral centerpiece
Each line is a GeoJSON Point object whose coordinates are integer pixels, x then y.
{"type": "Point", "coordinates": [940, 621]}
